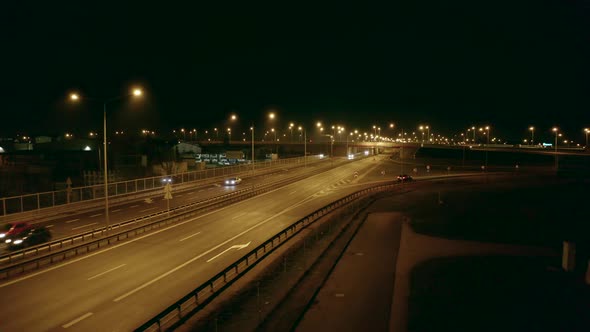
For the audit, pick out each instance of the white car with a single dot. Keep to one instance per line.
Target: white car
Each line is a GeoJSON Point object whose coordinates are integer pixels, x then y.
{"type": "Point", "coordinates": [233, 181]}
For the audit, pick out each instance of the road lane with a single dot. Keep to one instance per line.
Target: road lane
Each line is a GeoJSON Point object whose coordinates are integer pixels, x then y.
{"type": "Point", "coordinates": [159, 268]}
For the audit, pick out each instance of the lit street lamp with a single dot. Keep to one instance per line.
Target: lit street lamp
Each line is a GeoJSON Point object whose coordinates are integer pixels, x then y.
{"type": "Point", "coordinates": [532, 129]}
{"type": "Point", "coordinates": [304, 146]}
{"type": "Point", "coordinates": [587, 131]}
{"type": "Point", "coordinates": [555, 130]}
{"type": "Point", "coordinates": [75, 97]}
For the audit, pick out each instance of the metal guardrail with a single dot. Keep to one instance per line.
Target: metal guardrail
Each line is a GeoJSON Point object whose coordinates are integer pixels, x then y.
{"type": "Point", "coordinates": [49, 257]}
{"type": "Point", "coordinates": [46, 200]}
{"type": "Point", "coordinates": [197, 299]}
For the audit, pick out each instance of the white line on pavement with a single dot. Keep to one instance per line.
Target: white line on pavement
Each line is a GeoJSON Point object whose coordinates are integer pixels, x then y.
{"type": "Point", "coordinates": [239, 215]}
{"type": "Point", "coordinates": [147, 209]}
{"type": "Point", "coordinates": [291, 193]}
{"type": "Point", "coordinates": [49, 226]}
{"type": "Point", "coordinates": [134, 206]}
{"type": "Point", "coordinates": [117, 210]}
{"type": "Point", "coordinates": [178, 195]}
{"type": "Point", "coordinates": [94, 223]}
{"type": "Point", "coordinates": [188, 237]}
{"type": "Point", "coordinates": [69, 221]}
{"type": "Point", "coordinates": [192, 192]}
{"type": "Point", "coordinates": [105, 272]}
{"type": "Point", "coordinates": [65, 326]}
{"type": "Point", "coordinates": [96, 215]}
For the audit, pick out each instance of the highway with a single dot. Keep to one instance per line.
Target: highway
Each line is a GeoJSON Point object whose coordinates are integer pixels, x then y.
{"type": "Point", "coordinates": [118, 288]}
{"type": "Point", "coordinates": [79, 222]}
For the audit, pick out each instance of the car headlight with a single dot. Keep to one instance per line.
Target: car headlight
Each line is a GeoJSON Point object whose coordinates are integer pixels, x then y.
{"type": "Point", "coordinates": [8, 240]}
{"type": "Point", "coordinates": [19, 241]}
{"type": "Point", "coordinates": [226, 182]}
{"type": "Point", "coordinates": [233, 182]}
{"type": "Point", "coordinates": [2, 235]}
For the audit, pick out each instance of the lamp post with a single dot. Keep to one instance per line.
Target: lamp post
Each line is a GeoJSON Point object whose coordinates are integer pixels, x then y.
{"type": "Point", "coordinates": [252, 129]}
{"type": "Point", "coordinates": [291, 130]}
{"type": "Point", "coordinates": [586, 131]}
{"type": "Point", "coordinates": [422, 130]}
{"type": "Point", "coordinates": [556, 131]}
{"type": "Point", "coordinates": [532, 129]}
{"type": "Point", "coordinates": [75, 97]}
{"type": "Point", "coordinates": [304, 146]}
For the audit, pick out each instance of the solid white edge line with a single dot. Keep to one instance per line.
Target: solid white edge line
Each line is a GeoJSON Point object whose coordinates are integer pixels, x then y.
{"type": "Point", "coordinates": [147, 209]}
{"type": "Point", "coordinates": [70, 221]}
{"type": "Point", "coordinates": [117, 210]}
{"type": "Point", "coordinates": [94, 223]}
{"type": "Point", "coordinates": [188, 237]}
{"type": "Point", "coordinates": [86, 315]}
{"type": "Point", "coordinates": [107, 271]}
{"type": "Point", "coordinates": [96, 215]}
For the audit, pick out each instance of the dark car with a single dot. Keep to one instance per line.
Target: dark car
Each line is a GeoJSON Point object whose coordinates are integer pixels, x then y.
{"type": "Point", "coordinates": [30, 238]}
{"type": "Point", "coordinates": [16, 229]}
{"type": "Point", "coordinates": [404, 178]}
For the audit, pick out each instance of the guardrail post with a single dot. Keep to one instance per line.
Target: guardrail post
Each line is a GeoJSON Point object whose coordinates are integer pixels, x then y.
{"type": "Point", "coordinates": [38, 202]}
{"type": "Point", "coordinates": [4, 207]}
{"type": "Point", "coordinates": [21, 205]}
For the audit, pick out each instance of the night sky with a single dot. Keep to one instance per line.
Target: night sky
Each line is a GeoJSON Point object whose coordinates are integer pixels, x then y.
{"type": "Point", "coordinates": [510, 64]}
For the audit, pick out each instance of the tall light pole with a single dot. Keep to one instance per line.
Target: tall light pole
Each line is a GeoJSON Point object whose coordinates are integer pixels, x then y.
{"type": "Point", "coordinates": [587, 131]}
{"type": "Point", "coordinates": [532, 129]}
{"type": "Point", "coordinates": [304, 145]}
{"type": "Point", "coordinates": [275, 138]}
{"type": "Point", "coordinates": [291, 130]}
{"type": "Point", "coordinates": [422, 130]}
{"type": "Point", "coordinates": [428, 134]}
{"type": "Point", "coordinates": [556, 131]}
{"type": "Point", "coordinates": [75, 97]}
{"type": "Point", "coordinates": [252, 129]}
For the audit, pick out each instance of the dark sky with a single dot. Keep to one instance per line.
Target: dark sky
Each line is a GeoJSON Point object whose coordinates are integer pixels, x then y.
{"type": "Point", "coordinates": [510, 64]}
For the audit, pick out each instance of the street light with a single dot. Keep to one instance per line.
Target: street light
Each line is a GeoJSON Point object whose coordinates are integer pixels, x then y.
{"type": "Point", "coordinates": [532, 129]}
{"type": "Point", "coordinates": [556, 131]}
{"type": "Point", "coordinates": [252, 129]}
{"type": "Point", "coordinates": [75, 97]}
{"type": "Point", "coordinates": [422, 130]}
{"type": "Point", "coordinates": [275, 138]}
{"type": "Point", "coordinates": [304, 146]}
{"type": "Point", "coordinates": [587, 131]}
{"type": "Point", "coordinates": [291, 130]}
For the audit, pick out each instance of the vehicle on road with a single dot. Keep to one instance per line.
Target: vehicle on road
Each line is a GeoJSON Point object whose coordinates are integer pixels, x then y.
{"type": "Point", "coordinates": [404, 178]}
{"type": "Point", "coordinates": [29, 238]}
{"type": "Point", "coordinates": [233, 181]}
{"type": "Point", "coordinates": [16, 229]}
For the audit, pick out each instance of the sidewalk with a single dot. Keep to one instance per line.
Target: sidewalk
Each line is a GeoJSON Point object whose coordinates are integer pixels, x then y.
{"type": "Point", "coordinates": [357, 295]}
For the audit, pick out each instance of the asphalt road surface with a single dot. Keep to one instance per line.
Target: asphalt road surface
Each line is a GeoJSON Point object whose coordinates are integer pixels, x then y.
{"type": "Point", "coordinates": [118, 288]}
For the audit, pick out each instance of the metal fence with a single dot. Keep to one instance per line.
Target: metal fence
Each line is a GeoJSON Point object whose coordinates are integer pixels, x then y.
{"type": "Point", "coordinates": [39, 201]}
